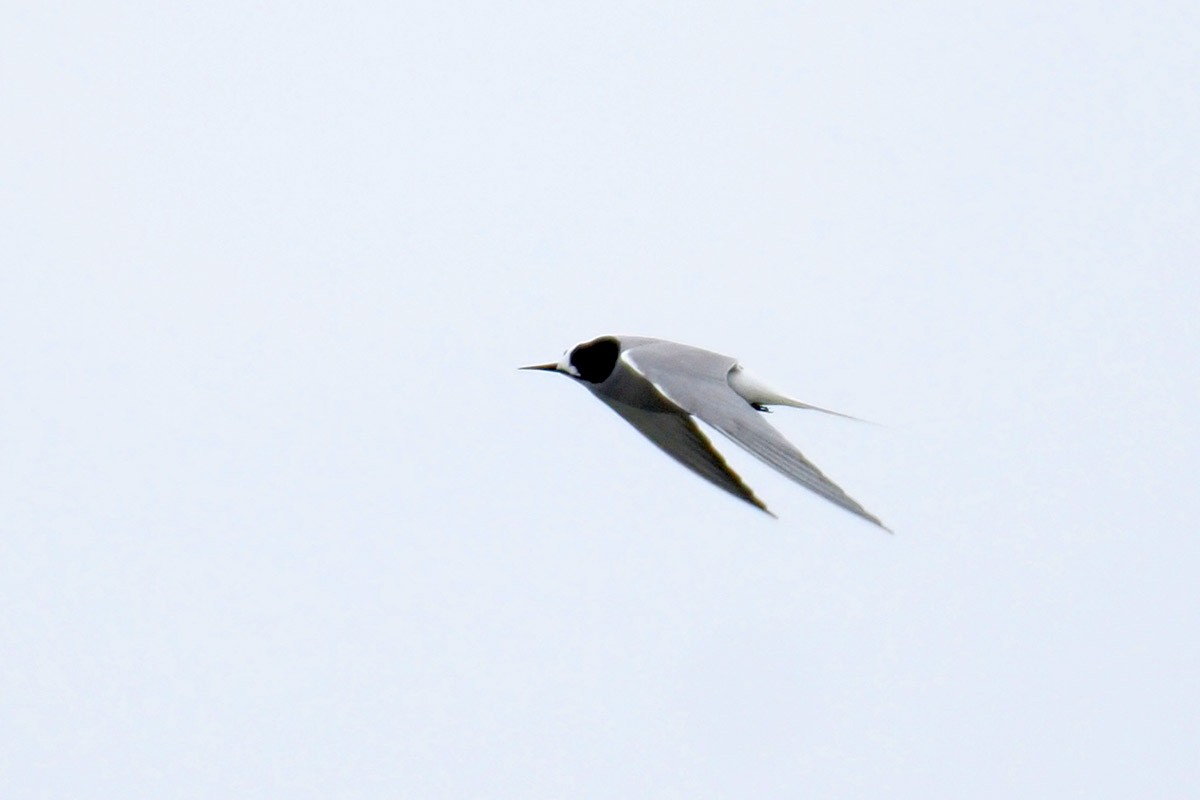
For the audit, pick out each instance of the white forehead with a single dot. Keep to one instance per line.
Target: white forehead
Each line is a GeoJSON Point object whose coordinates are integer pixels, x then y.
{"type": "Point", "coordinates": [565, 365]}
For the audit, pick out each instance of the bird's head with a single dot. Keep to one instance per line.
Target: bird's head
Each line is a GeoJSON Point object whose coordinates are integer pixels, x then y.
{"type": "Point", "coordinates": [590, 361]}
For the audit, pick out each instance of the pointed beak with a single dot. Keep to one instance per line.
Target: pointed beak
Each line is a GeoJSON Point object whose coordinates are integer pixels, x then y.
{"type": "Point", "coordinates": [546, 367]}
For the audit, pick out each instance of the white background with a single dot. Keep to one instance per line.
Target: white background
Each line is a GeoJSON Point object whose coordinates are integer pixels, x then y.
{"type": "Point", "coordinates": [281, 519]}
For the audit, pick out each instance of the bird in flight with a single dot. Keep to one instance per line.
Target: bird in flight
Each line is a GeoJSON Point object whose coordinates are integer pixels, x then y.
{"type": "Point", "coordinates": [659, 387]}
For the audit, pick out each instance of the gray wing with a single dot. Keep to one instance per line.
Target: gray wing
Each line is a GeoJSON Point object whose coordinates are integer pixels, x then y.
{"type": "Point", "coordinates": [663, 422]}
{"type": "Point", "coordinates": [678, 436]}
{"type": "Point", "coordinates": [697, 381]}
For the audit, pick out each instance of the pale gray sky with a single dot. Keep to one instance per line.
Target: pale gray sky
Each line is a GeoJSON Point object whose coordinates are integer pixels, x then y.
{"type": "Point", "coordinates": [281, 519]}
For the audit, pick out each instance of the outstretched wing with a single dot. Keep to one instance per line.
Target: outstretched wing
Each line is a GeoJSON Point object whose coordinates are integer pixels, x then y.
{"type": "Point", "coordinates": [697, 381]}
{"type": "Point", "coordinates": [670, 428]}
{"type": "Point", "coordinates": [677, 435]}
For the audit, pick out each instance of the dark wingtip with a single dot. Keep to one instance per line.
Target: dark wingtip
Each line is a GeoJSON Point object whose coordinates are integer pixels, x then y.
{"type": "Point", "coordinates": [753, 500]}
{"type": "Point", "coordinates": [878, 523]}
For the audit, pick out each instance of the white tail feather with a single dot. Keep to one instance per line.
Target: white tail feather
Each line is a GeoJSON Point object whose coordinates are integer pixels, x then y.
{"type": "Point", "coordinates": [757, 393]}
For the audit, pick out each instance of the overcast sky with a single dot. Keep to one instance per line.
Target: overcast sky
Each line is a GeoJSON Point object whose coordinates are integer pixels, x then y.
{"type": "Point", "coordinates": [280, 518]}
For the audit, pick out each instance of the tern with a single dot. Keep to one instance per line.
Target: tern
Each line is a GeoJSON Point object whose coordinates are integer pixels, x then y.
{"type": "Point", "coordinates": [661, 387]}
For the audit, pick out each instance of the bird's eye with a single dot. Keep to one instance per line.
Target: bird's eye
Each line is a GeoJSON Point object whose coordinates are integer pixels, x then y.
{"type": "Point", "coordinates": [595, 360]}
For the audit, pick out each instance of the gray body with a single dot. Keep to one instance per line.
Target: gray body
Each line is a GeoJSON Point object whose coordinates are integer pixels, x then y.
{"type": "Point", "coordinates": [658, 386]}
